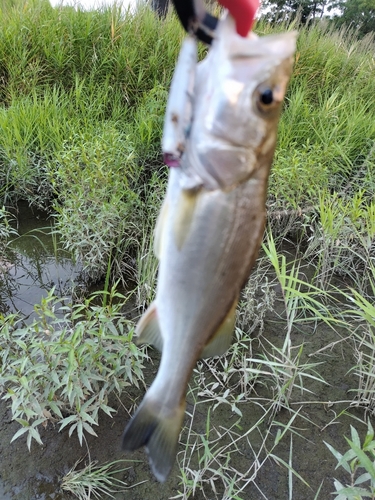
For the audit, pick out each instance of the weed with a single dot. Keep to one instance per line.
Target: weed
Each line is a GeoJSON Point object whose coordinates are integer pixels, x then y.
{"type": "Point", "coordinates": [363, 313]}
{"type": "Point", "coordinates": [205, 462]}
{"type": "Point", "coordinates": [359, 463]}
{"type": "Point", "coordinates": [81, 121]}
{"type": "Point", "coordinates": [82, 104]}
{"type": "Point", "coordinates": [94, 481]}
{"type": "Point", "coordinates": [257, 299]}
{"type": "Point", "coordinates": [341, 240]}
{"type": "Point", "coordinates": [147, 262]}
{"type": "Point", "coordinates": [302, 300]}
{"type": "Point", "coordinates": [6, 230]}
{"type": "Point", "coordinates": [63, 370]}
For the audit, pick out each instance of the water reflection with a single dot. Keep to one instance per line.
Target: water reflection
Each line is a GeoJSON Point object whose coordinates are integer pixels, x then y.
{"type": "Point", "coordinates": [35, 264]}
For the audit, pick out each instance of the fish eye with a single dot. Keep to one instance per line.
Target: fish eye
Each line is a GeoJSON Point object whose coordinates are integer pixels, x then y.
{"type": "Point", "coordinates": [266, 99]}
{"type": "Point", "coordinates": [266, 96]}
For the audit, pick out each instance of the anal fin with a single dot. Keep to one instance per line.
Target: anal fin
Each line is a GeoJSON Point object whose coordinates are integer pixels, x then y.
{"type": "Point", "coordinates": [148, 330]}
{"type": "Point", "coordinates": [221, 340]}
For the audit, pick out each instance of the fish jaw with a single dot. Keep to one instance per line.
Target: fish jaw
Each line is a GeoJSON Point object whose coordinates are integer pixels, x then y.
{"type": "Point", "coordinates": [232, 128]}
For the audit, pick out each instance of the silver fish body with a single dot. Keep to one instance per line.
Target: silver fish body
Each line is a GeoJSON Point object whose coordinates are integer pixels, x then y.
{"type": "Point", "coordinates": [211, 224]}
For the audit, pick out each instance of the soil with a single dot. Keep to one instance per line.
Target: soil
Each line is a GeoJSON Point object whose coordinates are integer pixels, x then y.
{"type": "Point", "coordinates": [324, 415]}
{"type": "Point", "coordinates": [37, 474]}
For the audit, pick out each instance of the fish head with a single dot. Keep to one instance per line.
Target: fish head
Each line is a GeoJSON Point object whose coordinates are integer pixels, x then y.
{"type": "Point", "coordinates": [239, 93]}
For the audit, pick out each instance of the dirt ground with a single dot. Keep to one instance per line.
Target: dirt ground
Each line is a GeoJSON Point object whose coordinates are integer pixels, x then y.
{"type": "Point", "coordinates": [37, 474]}
{"type": "Point", "coordinates": [322, 417]}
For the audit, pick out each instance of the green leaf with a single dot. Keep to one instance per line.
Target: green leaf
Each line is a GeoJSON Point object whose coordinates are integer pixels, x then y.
{"type": "Point", "coordinates": [363, 459]}
{"type": "Point", "coordinates": [23, 422]}
{"type": "Point", "coordinates": [19, 433]}
{"type": "Point", "coordinates": [85, 380]}
{"type": "Point", "coordinates": [71, 359]}
{"type": "Point", "coordinates": [87, 418]}
{"type": "Point", "coordinates": [356, 493]}
{"type": "Point", "coordinates": [362, 478]}
{"type": "Point", "coordinates": [355, 436]}
{"type": "Point", "coordinates": [107, 409]}
{"type": "Point", "coordinates": [55, 408]}
{"type": "Point", "coordinates": [55, 378]}
{"type": "Point", "coordinates": [67, 420]}
{"type": "Point", "coordinates": [112, 328]}
{"type": "Point", "coordinates": [80, 431]}
{"type": "Point", "coordinates": [89, 429]}
{"type": "Point", "coordinates": [72, 428]}
{"type": "Point", "coordinates": [35, 434]}
{"type": "Point", "coordinates": [369, 435]}
{"type": "Point", "coordinates": [338, 457]}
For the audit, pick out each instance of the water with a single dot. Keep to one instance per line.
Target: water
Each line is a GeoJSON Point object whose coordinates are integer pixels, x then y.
{"type": "Point", "coordinates": [36, 263]}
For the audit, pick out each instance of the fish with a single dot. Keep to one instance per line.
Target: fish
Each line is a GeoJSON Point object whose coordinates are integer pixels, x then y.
{"type": "Point", "coordinates": [211, 223]}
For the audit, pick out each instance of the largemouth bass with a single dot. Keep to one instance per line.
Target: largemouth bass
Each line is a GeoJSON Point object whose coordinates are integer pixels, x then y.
{"type": "Point", "coordinates": [211, 224]}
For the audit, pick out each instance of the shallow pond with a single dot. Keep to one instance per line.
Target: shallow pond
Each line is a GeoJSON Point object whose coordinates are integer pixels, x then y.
{"type": "Point", "coordinates": [237, 446]}
{"type": "Point", "coordinates": [36, 263]}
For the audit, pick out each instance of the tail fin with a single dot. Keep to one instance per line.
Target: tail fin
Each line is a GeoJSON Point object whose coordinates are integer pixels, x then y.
{"type": "Point", "coordinates": [158, 430]}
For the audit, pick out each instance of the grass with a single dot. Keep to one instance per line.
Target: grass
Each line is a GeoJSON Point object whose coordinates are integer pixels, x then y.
{"type": "Point", "coordinates": [94, 481]}
{"type": "Point", "coordinates": [81, 111]}
{"type": "Point", "coordinates": [273, 381]}
{"type": "Point", "coordinates": [6, 231]}
{"type": "Point", "coordinates": [82, 105]}
{"type": "Point", "coordinates": [80, 120]}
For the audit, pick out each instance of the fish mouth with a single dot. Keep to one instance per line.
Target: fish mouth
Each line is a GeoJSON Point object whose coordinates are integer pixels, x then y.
{"type": "Point", "coordinates": [171, 160]}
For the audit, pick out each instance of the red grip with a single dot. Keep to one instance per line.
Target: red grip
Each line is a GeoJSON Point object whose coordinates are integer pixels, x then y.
{"type": "Point", "coordinates": [243, 12]}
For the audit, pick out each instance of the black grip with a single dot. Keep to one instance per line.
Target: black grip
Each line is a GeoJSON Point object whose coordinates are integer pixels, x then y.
{"type": "Point", "coordinates": [202, 26]}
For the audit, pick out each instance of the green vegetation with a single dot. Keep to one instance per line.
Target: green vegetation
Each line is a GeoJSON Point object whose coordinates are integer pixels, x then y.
{"type": "Point", "coordinates": [359, 463]}
{"type": "Point", "coordinates": [82, 104]}
{"type": "Point", "coordinates": [63, 367]}
{"type": "Point", "coordinates": [358, 14]}
{"type": "Point", "coordinates": [82, 99]}
{"type": "Point", "coordinates": [94, 481]}
{"type": "Point", "coordinates": [6, 231]}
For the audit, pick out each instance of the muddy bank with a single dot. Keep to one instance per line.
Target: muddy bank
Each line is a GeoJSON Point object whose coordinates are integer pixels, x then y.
{"type": "Point", "coordinates": [217, 437]}
{"type": "Point", "coordinates": [38, 474]}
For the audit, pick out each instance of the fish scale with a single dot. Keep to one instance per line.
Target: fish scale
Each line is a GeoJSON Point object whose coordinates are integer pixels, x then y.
{"type": "Point", "coordinates": [212, 221]}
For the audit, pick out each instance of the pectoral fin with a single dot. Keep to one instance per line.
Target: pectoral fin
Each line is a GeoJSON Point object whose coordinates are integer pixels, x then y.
{"type": "Point", "coordinates": [183, 217]}
{"type": "Point", "coordinates": [158, 235]}
{"type": "Point", "coordinates": [147, 330]}
{"type": "Point", "coordinates": [222, 339]}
